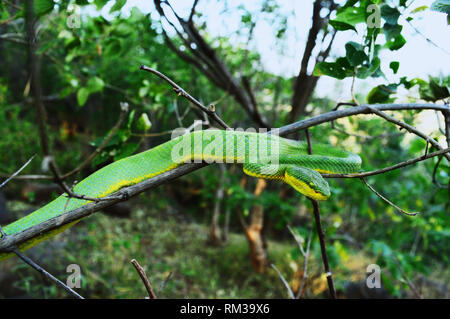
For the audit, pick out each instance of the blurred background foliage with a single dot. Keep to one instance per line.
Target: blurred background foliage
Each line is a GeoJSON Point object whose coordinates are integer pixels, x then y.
{"type": "Point", "coordinates": [87, 70]}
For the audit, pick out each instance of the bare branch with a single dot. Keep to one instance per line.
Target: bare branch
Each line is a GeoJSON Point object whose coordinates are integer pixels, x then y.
{"type": "Point", "coordinates": [210, 111]}
{"type": "Point", "coordinates": [285, 283]}
{"type": "Point", "coordinates": [390, 168]}
{"type": "Point", "coordinates": [17, 172]}
{"type": "Point", "coordinates": [208, 62]}
{"type": "Point", "coordinates": [362, 109]}
{"type": "Point", "coordinates": [124, 110]}
{"type": "Point", "coordinates": [46, 274]}
{"type": "Point", "coordinates": [409, 128]}
{"type": "Point", "coordinates": [164, 283]}
{"type": "Point", "coordinates": [387, 200]}
{"type": "Point", "coordinates": [305, 254]}
{"type": "Point", "coordinates": [323, 249]}
{"type": "Point", "coordinates": [408, 281]}
{"type": "Point", "coordinates": [145, 280]}
{"type": "Point", "coordinates": [320, 233]}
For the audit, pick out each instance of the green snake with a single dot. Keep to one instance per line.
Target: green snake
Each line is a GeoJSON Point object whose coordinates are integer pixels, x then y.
{"type": "Point", "coordinates": [263, 155]}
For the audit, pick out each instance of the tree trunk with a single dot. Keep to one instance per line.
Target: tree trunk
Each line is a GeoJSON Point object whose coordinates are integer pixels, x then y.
{"type": "Point", "coordinates": [255, 239]}
{"type": "Point", "coordinates": [254, 233]}
{"type": "Point", "coordinates": [214, 237]}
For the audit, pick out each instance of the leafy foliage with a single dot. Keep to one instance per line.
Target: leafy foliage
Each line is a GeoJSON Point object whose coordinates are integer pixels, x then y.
{"type": "Point", "coordinates": [87, 71]}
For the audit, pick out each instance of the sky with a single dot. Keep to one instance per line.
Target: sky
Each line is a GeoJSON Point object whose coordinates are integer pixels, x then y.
{"type": "Point", "coordinates": [418, 57]}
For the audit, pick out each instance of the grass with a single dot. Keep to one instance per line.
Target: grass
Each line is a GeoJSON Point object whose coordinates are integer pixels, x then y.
{"type": "Point", "coordinates": [103, 247]}
{"type": "Point", "coordinates": [164, 242]}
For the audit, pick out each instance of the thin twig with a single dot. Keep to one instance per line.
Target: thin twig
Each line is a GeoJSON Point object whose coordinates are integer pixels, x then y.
{"type": "Point", "coordinates": [390, 168]}
{"type": "Point", "coordinates": [145, 280]}
{"type": "Point", "coordinates": [308, 139]}
{"type": "Point", "coordinates": [17, 172]}
{"type": "Point", "coordinates": [124, 111]}
{"type": "Point", "coordinates": [41, 270]}
{"type": "Point", "coordinates": [164, 283]}
{"type": "Point", "coordinates": [408, 281]}
{"type": "Point", "coordinates": [47, 274]}
{"type": "Point", "coordinates": [305, 254]}
{"type": "Point", "coordinates": [210, 111]}
{"type": "Point", "coordinates": [301, 290]}
{"type": "Point", "coordinates": [352, 90]}
{"type": "Point", "coordinates": [362, 109]}
{"type": "Point", "coordinates": [409, 128]}
{"type": "Point", "coordinates": [433, 178]}
{"type": "Point", "coordinates": [387, 200]}
{"type": "Point", "coordinates": [285, 283]}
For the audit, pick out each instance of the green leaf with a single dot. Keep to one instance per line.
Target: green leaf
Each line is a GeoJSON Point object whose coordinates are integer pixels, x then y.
{"type": "Point", "coordinates": [394, 65]}
{"type": "Point", "coordinates": [441, 6]}
{"type": "Point", "coordinates": [113, 47]}
{"type": "Point", "coordinates": [126, 150]}
{"type": "Point", "coordinates": [419, 9]}
{"type": "Point", "coordinates": [143, 123]}
{"type": "Point", "coordinates": [432, 91]}
{"type": "Point", "coordinates": [143, 91]}
{"type": "Point", "coordinates": [341, 26]}
{"type": "Point", "coordinates": [100, 158]}
{"type": "Point", "coordinates": [366, 71]}
{"type": "Point", "coordinates": [42, 7]}
{"type": "Point", "coordinates": [100, 3]}
{"type": "Point", "coordinates": [130, 119]}
{"type": "Point", "coordinates": [117, 6]}
{"type": "Point", "coordinates": [351, 15]}
{"type": "Point", "coordinates": [95, 84]}
{"type": "Point", "coordinates": [394, 40]}
{"type": "Point", "coordinates": [354, 54]}
{"type": "Point", "coordinates": [389, 14]}
{"type": "Point", "coordinates": [332, 69]}
{"type": "Point", "coordinates": [381, 94]}
{"type": "Point", "coordinates": [82, 96]}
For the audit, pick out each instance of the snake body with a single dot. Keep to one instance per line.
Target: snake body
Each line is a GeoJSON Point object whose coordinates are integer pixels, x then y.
{"type": "Point", "coordinates": [262, 155]}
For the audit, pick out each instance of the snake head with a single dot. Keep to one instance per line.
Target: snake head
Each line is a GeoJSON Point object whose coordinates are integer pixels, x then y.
{"type": "Point", "coordinates": [307, 182]}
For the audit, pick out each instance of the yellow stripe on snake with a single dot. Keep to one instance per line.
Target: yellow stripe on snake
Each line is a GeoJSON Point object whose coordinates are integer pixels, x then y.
{"type": "Point", "coordinates": [262, 155]}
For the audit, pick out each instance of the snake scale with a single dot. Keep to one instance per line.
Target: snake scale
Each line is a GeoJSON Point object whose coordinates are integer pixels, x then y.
{"type": "Point", "coordinates": [263, 155]}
